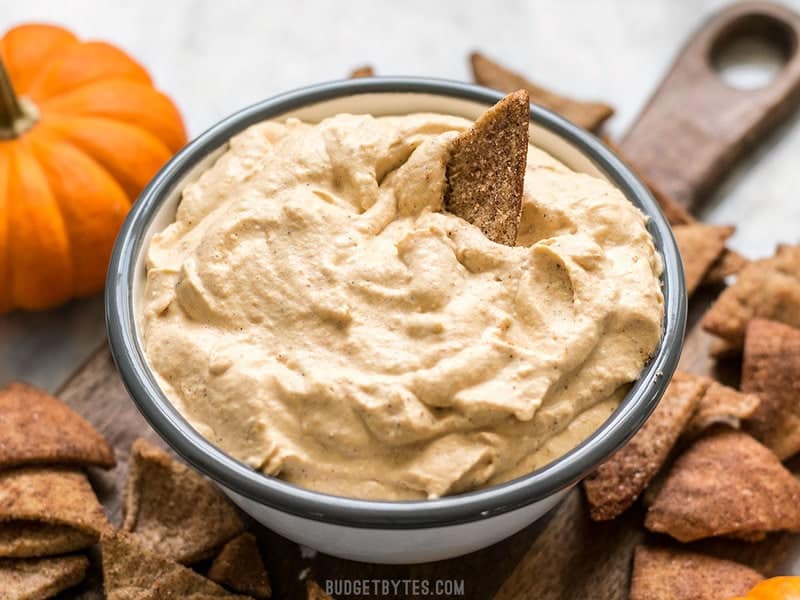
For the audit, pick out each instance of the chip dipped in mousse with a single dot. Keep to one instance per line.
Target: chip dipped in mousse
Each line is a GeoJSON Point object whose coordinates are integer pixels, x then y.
{"type": "Point", "coordinates": [317, 312]}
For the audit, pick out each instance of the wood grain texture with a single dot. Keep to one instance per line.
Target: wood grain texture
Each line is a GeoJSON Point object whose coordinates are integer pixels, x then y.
{"type": "Point", "coordinates": [695, 126]}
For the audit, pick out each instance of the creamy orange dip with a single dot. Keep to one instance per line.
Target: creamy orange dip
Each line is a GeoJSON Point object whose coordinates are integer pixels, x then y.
{"type": "Point", "coordinates": [313, 312]}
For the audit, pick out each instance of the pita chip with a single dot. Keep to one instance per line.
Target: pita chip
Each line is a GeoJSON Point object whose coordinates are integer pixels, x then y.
{"type": "Point", "coordinates": [53, 496]}
{"type": "Point", "coordinates": [729, 263]}
{"type": "Point", "coordinates": [726, 484]}
{"type": "Point", "coordinates": [33, 538]}
{"type": "Point", "coordinates": [771, 369]}
{"type": "Point", "coordinates": [131, 572]}
{"type": "Point", "coordinates": [700, 246]}
{"type": "Point", "coordinates": [673, 574]}
{"type": "Point", "coordinates": [174, 511]}
{"type": "Point", "coordinates": [314, 592]}
{"type": "Point", "coordinates": [37, 428]}
{"type": "Point", "coordinates": [362, 71]}
{"type": "Point", "coordinates": [486, 169]}
{"type": "Point", "coordinates": [721, 405]}
{"type": "Point", "coordinates": [721, 349]}
{"type": "Point", "coordinates": [589, 115]}
{"type": "Point", "coordinates": [616, 484]}
{"type": "Point", "coordinates": [239, 567]}
{"type": "Point", "coordinates": [768, 288]}
{"type": "Point", "coordinates": [40, 578]}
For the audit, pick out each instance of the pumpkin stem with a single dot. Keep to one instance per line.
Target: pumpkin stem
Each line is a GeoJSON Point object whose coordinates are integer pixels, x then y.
{"type": "Point", "coordinates": [17, 115]}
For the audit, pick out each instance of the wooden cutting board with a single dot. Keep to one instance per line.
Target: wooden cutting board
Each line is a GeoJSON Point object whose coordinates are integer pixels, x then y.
{"type": "Point", "coordinates": [693, 129]}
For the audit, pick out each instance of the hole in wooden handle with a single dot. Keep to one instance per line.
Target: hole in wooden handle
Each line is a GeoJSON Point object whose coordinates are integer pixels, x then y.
{"type": "Point", "coordinates": [750, 52]}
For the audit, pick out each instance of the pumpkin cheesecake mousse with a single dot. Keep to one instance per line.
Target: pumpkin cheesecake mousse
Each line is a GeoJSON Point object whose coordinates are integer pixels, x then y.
{"type": "Point", "coordinates": [317, 313]}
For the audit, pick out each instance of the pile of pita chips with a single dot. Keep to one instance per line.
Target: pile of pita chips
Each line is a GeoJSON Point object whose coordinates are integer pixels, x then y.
{"type": "Point", "coordinates": [671, 574]}
{"type": "Point", "coordinates": [768, 289]}
{"type": "Point", "coordinates": [486, 169]}
{"type": "Point", "coordinates": [174, 511]}
{"type": "Point", "coordinates": [691, 405]}
{"type": "Point", "coordinates": [616, 484]}
{"type": "Point", "coordinates": [771, 369]}
{"type": "Point", "coordinates": [40, 578]}
{"type": "Point", "coordinates": [589, 115]}
{"type": "Point", "coordinates": [726, 484]}
{"type": "Point", "coordinates": [47, 506]}
{"type": "Point", "coordinates": [131, 572]}
{"type": "Point", "coordinates": [239, 567]}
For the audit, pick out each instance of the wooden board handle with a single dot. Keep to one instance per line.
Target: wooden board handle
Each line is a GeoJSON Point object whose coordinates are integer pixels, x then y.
{"type": "Point", "coordinates": [695, 126]}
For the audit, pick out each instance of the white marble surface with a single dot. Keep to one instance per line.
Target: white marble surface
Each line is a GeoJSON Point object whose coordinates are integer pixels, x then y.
{"type": "Point", "coordinates": [215, 57]}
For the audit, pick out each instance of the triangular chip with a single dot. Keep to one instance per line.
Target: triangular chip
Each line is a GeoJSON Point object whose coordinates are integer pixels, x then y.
{"type": "Point", "coordinates": [700, 245]}
{"type": "Point", "coordinates": [721, 405]}
{"type": "Point", "coordinates": [486, 169]}
{"type": "Point", "coordinates": [721, 349]}
{"type": "Point", "coordinates": [667, 574]}
{"type": "Point", "coordinates": [174, 511]}
{"type": "Point", "coordinates": [729, 263]}
{"type": "Point", "coordinates": [767, 289]}
{"type": "Point", "coordinates": [55, 495]}
{"type": "Point", "coordinates": [616, 484]}
{"type": "Point", "coordinates": [239, 567]}
{"type": "Point", "coordinates": [37, 428]}
{"type": "Point", "coordinates": [40, 578]}
{"type": "Point", "coordinates": [362, 71]}
{"type": "Point", "coordinates": [314, 592]}
{"type": "Point", "coordinates": [31, 538]}
{"type": "Point", "coordinates": [130, 572]}
{"type": "Point", "coordinates": [771, 369]}
{"type": "Point", "coordinates": [589, 115]}
{"type": "Point", "coordinates": [726, 484]}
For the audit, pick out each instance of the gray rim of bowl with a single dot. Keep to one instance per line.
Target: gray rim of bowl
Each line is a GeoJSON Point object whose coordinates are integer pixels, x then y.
{"type": "Point", "coordinates": [480, 504]}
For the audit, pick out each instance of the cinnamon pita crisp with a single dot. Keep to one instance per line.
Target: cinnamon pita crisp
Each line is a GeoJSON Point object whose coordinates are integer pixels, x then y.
{"type": "Point", "coordinates": [131, 572]}
{"type": "Point", "coordinates": [771, 369]}
{"type": "Point", "coordinates": [314, 592]}
{"type": "Point", "coordinates": [174, 511]}
{"type": "Point", "coordinates": [720, 349]}
{"type": "Point", "coordinates": [671, 574]}
{"type": "Point", "coordinates": [700, 246]}
{"type": "Point", "coordinates": [54, 495]}
{"type": "Point", "coordinates": [40, 578]}
{"type": "Point", "coordinates": [239, 567]}
{"type": "Point", "coordinates": [729, 263]}
{"type": "Point", "coordinates": [721, 405]}
{"type": "Point", "coordinates": [486, 169]}
{"type": "Point", "coordinates": [616, 484]}
{"type": "Point", "coordinates": [589, 115]}
{"type": "Point", "coordinates": [37, 428]}
{"type": "Point", "coordinates": [31, 538]}
{"type": "Point", "coordinates": [726, 484]}
{"type": "Point", "coordinates": [363, 71]}
{"type": "Point", "coordinates": [767, 289]}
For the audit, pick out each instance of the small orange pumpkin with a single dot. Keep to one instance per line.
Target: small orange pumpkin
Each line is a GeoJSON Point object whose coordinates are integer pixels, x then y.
{"type": "Point", "coordinates": [777, 588]}
{"type": "Point", "coordinates": [82, 130]}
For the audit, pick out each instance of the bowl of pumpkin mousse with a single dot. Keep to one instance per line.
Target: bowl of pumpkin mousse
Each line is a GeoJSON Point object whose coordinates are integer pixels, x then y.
{"type": "Point", "coordinates": [396, 319]}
